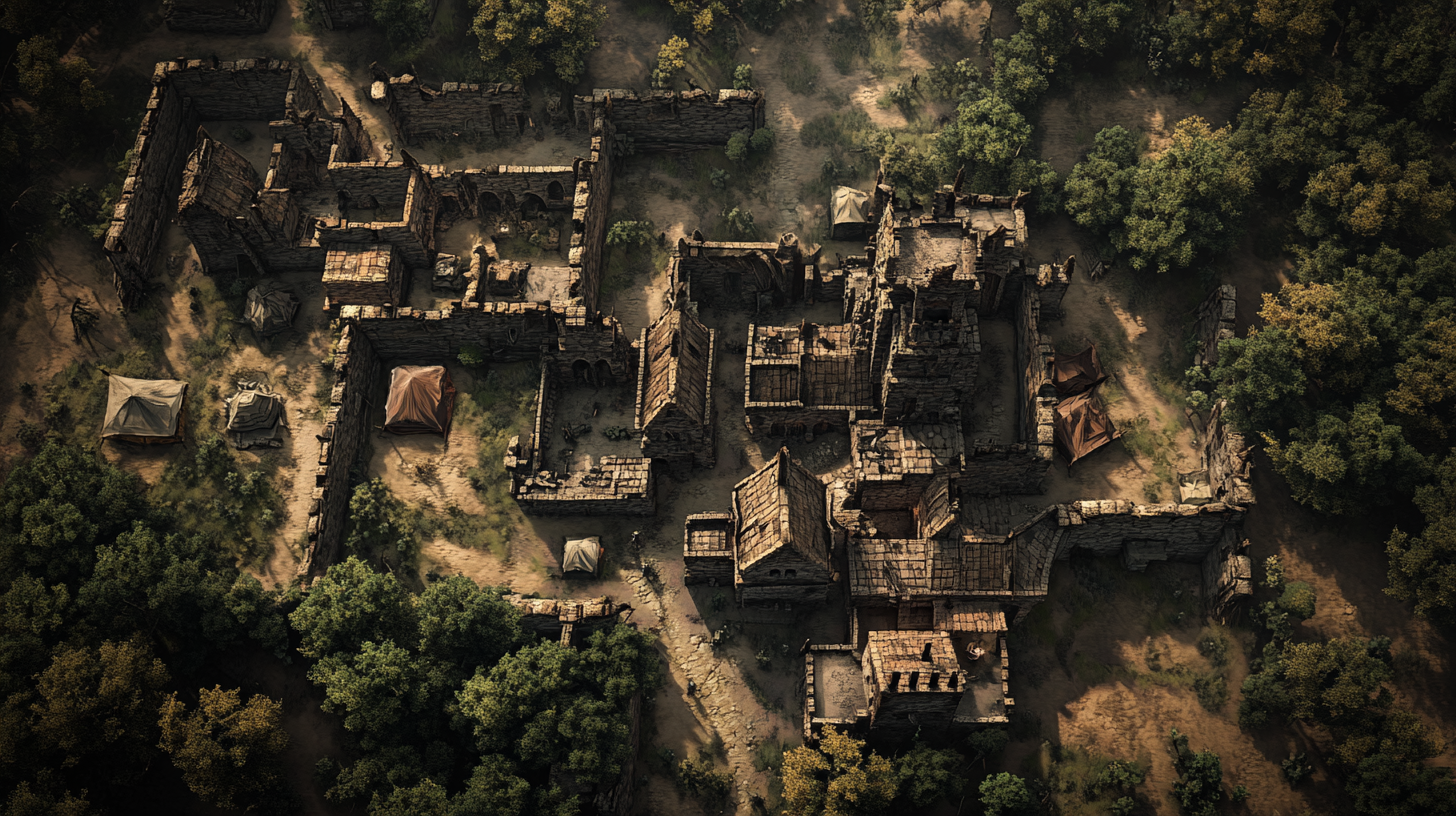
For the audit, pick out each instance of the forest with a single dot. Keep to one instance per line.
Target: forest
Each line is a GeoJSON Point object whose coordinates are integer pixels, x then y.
{"type": "Point", "coordinates": [120, 600]}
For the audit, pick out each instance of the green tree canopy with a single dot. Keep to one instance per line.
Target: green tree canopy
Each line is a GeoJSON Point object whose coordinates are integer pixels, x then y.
{"type": "Point", "coordinates": [518, 38]}
{"type": "Point", "coordinates": [227, 750]}
{"type": "Point", "coordinates": [352, 605]}
{"type": "Point", "coordinates": [1099, 189]}
{"type": "Point", "coordinates": [838, 778]}
{"type": "Point", "coordinates": [1005, 794]}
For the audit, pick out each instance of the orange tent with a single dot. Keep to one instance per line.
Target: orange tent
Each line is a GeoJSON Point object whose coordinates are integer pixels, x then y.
{"type": "Point", "coordinates": [1081, 426]}
{"type": "Point", "coordinates": [421, 400]}
{"type": "Point", "coordinates": [1074, 373]}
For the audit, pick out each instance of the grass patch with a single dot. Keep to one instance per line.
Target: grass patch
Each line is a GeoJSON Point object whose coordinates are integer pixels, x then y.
{"type": "Point", "coordinates": [799, 72]}
{"type": "Point", "coordinates": [1082, 782]}
{"type": "Point", "coordinates": [501, 407]}
{"type": "Point", "coordinates": [216, 495]}
{"type": "Point", "coordinates": [775, 705]}
{"type": "Point", "coordinates": [769, 754]}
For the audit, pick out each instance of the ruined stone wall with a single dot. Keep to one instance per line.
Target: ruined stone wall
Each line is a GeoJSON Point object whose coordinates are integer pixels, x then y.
{"type": "Point", "coordinates": [338, 15]}
{"type": "Point", "coordinates": [456, 110]}
{"type": "Point", "coordinates": [511, 184]}
{"type": "Point", "coordinates": [616, 485]}
{"type": "Point", "coordinates": [671, 120]}
{"type": "Point", "coordinates": [735, 275]}
{"type": "Point", "coordinates": [1051, 285]}
{"type": "Point", "coordinates": [367, 182]}
{"type": "Point", "coordinates": [1018, 468]}
{"type": "Point", "coordinates": [508, 332]}
{"type": "Point", "coordinates": [219, 16]}
{"type": "Point", "coordinates": [306, 134]}
{"type": "Point", "coordinates": [1037, 397]}
{"type": "Point", "coordinates": [413, 237]}
{"type": "Point", "coordinates": [1144, 533]}
{"type": "Point", "coordinates": [154, 181]}
{"type": "Point", "coordinates": [589, 208]}
{"type": "Point", "coordinates": [796, 594]}
{"type": "Point", "coordinates": [592, 339]}
{"type": "Point", "coordinates": [346, 431]}
{"type": "Point", "coordinates": [1214, 324]}
{"type": "Point", "coordinates": [353, 140]}
{"type": "Point", "coordinates": [1226, 457]}
{"type": "Point", "coordinates": [184, 93]}
{"type": "Point", "coordinates": [793, 419]}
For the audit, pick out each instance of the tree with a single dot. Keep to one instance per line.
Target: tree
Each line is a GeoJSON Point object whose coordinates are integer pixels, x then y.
{"type": "Point", "coordinates": [520, 37]}
{"type": "Point", "coordinates": [352, 605]}
{"type": "Point", "coordinates": [1262, 380]}
{"type": "Point", "coordinates": [671, 58]}
{"type": "Point", "coordinates": [837, 778]}
{"type": "Point", "coordinates": [1064, 28]}
{"type": "Point", "coordinates": [737, 147]}
{"type": "Point", "coordinates": [1005, 794]}
{"type": "Point", "coordinates": [227, 751]}
{"type": "Point", "coordinates": [493, 790]}
{"type": "Point", "coordinates": [404, 22]}
{"type": "Point", "coordinates": [1423, 567]}
{"type": "Point", "coordinates": [1038, 178]}
{"type": "Point", "coordinates": [1425, 393]}
{"type": "Point", "coordinates": [928, 775]}
{"type": "Point", "coordinates": [1336, 328]}
{"type": "Point", "coordinates": [466, 627]}
{"type": "Point", "coordinates": [1384, 786]}
{"type": "Point", "coordinates": [61, 89]}
{"type": "Point", "coordinates": [380, 522]}
{"type": "Point", "coordinates": [105, 699]}
{"type": "Point", "coordinates": [986, 131]}
{"type": "Point", "coordinates": [1332, 682]}
{"type": "Point", "coordinates": [1099, 189]}
{"type": "Point", "coordinates": [427, 798]}
{"type": "Point", "coordinates": [1199, 786]}
{"type": "Point", "coordinates": [376, 689]}
{"type": "Point", "coordinates": [908, 169]}
{"type": "Point", "coordinates": [1021, 77]}
{"type": "Point", "coordinates": [1187, 202]}
{"type": "Point", "coordinates": [1291, 31]}
{"type": "Point", "coordinates": [1347, 460]}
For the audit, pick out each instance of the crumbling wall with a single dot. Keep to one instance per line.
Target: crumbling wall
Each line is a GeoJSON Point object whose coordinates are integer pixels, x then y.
{"type": "Point", "coordinates": [353, 140]}
{"type": "Point", "coordinates": [616, 485]}
{"type": "Point", "coordinates": [671, 120]}
{"type": "Point", "coordinates": [1144, 533]}
{"type": "Point", "coordinates": [456, 110]}
{"type": "Point", "coordinates": [736, 274]}
{"type": "Point", "coordinates": [553, 185]}
{"type": "Point", "coordinates": [1018, 468]}
{"type": "Point", "coordinates": [1052, 281]}
{"type": "Point", "coordinates": [1038, 397]}
{"type": "Point", "coordinates": [591, 338]}
{"type": "Point", "coordinates": [339, 15]}
{"type": "Point", "coordinates": [1227, 458]}
{"type": "Point", "coordinates": [1228, 578]}
{"type": "Point", "coordinates": [708, 549]}
{"type": "Point", "coordinates": [154, 180]}
{"type": "Point", "coordinates": [219, 16]}
{"type": "Point", "coordinates": [1214, 324]}
{"type": "Point", "coordinates": [183, 93]}
{"type": "Point", "coordinates": [508, 332]}
{"type": "Point", "coordinates": [589, 207]}
{"type": "Point", "coordinates": [368, 182]}
{"type": "Point", "coordinates": [346, 431]}
{"type": "Point", "coordinates": [794, 594]}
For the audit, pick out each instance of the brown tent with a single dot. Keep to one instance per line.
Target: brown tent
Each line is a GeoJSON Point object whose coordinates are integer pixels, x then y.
{"type": "Point", "coordinates": [1074, 373]}
{"type": "Point", "coordinates": [421, 400]}
{"type": "Point", "coordinates": [145, 411]}
{"type": "Point", "coordinates": [1081, 426]}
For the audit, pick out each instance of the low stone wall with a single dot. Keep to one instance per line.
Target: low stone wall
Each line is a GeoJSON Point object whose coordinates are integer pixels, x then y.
{"type": "Point", "coordinates": [814, 726]}
{"type": "Point", "coordinates": [219, 16]}
{"type": "Point", "coordinates": [339, 15]}
{"type": "Point", "coordinates": [994, 470]}
{"type": "Point", "coordinates": [369, 182]}
{"type": "Point", "coordinates": [553, 186]}
{"type": "Point", "coordinates": [456, 110]}
{"type": "Point", "coordinates": [1214, 324]}
{"type": "Point", "coordinates": [1036, 443]}
{"type": "Point", "coordinates": [346, 430]}
{"type": "Point", "coordinates": [1144, 533]}
{"type": "Point", "coordinates": [617, 485]}
{"type": "Point", "coordinates": [508, 332]}
{"type": "Point", "coordinates": [738, 275]}
{"type": "Point", "coordinates": [671, 120]}
{"type": "Point", "coordinates": [590, 205]}
{"type": "Point", "coordinates": [243, 89]}
{"type": "Point", "coordinates": [795, 594]}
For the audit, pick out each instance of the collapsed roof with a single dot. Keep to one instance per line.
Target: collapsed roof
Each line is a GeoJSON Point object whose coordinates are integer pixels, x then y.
{"type": "Point", "coordinates": [1074, 373]}
{"type": "Point", "coordinates": [255, 417]}
{"type": "Point", "coordinates": [147, 411]}
{"type": "Point", "coordinates": [270, 308]}
{"type": "Point", "coordinates": [421, 400]}
{"type": "Point", "coordinates": [1081, 426]}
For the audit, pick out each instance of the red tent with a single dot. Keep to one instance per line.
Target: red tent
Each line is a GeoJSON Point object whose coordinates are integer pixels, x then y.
{"type": "Point", "coordinates": [421, 400]}
{"type": "Point", "coordinates": [1081, 426]}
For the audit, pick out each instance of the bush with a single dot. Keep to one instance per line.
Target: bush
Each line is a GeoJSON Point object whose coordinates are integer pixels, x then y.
{"type": "Point", "coordinates": [670, 59]}
{"type": "Point", "coordinates": [738, 146]}
{"type": "Point", "coordinates": [702, 780]}
{"type": "Point", "coordinates": [472, 356]}
{"type": "Point", "coordinates": [629, 233]}
{"type": "Point", "coordinates": [761, 141]}
{"type": "Point", "coordinates": [740, 223]}
{"type": "Point", "coordinates": [1005, 794]}
{"type": "Point", "coordinates": [1298, 600]}
{"type": "Point", "coordinates": [743, 77]}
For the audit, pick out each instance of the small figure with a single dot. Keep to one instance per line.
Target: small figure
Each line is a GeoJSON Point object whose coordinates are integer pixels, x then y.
{"type": "Point", "coordinates": [976, 652]}
{"type": "Point", "coordinates": [692, 688]}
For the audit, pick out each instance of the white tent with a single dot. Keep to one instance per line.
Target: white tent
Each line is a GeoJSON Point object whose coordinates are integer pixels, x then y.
{"type": "Point", "coordinates": [582, 558]}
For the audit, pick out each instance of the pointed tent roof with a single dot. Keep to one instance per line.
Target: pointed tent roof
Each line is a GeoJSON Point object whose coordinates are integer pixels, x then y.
{"type": "Point", "coordinates": [144, 410]}
{"type": "Point", "coordinates": [781, 506]}
{"type": "Point", "coordinates": [1074, 373]}
{"type": "Point", "coordinates": [270, 308]}
{"type": "Point", "coordinates": [1081, 426]}
{"type": "Point", "coordinates": [421, 400]}
{"type": "Point", "coordinates": [678, 349]}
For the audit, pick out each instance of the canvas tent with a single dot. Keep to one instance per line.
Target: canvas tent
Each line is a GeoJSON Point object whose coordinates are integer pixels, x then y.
{"type": "Point", "coordinates": [421, 400]}
{"type": "Point", "coordinates": [146, 411]}
{"type": "Point", "coordinates": [270, 308]}
{"type": "Point", "coordinates": [582, 557]}
{"type": "Point", "coordinates": [1081, 426]}
{"type": "Point", "coordinates": [849, 214]}
{"type": "Point", "coordinates": [1074, 373]}
{"type": "Point", "coordinates": [255, 417]}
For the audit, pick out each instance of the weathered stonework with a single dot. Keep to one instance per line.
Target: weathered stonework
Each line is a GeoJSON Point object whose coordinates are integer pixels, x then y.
{"type": "Point", "coordinates": [363, 274]}
{"type": "Point", "coordinates": [674, 407]}
{"type": "Point", "coordinates": [672, 120]}
{"type": "Point", "coordinates": [456, 110]}
{"type": "Point", "coordinates": [219, 16]}
{"type": "Point", "coordinates": [1214, 324]}
{"type": "Point", "coordinates": [708, 549]}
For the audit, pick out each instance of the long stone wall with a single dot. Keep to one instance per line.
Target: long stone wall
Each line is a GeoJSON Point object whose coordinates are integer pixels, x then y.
{"type": "Point", "coordinates": [456, 110]}
{"type": "Point", "coordinates": [1214, 324]}
{"type": "Point", "coordinates": [346, 429]}
{"type": "Point", "coordinates": [671, 120]}
{"type": "Point", "coordinates": [508, 332]}
{"type": "Point", "coordinates": [1227, 460]}
{"type": "Point", "coordinates": [590, 205]}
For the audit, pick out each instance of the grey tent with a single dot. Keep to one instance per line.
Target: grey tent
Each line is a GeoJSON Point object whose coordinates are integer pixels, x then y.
{"type": "Point", "coordinates": [270, 308]}
{"type": "Point", "coordinates": [582, 558]}
{"type": "Point", "coordinates": [849, 214]}
{"type": "Point", "coordinates": [255, 417]}
{"type": "Point", "coordinates": [145, 411]}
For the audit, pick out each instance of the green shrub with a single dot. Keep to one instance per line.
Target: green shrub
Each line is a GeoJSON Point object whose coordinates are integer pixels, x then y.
{"type": "Point", "coordinates": [472, 356]}
{"type": "Point", "coordinates": [1298, 600]}
{"type": "Point", "coordinates": [743, 77]}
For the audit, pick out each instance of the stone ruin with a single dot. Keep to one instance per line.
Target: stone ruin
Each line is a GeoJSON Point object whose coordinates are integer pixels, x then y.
{"type": "Point", "coordinates": [938, 371]}
{"type": "Point", "coordinates": [219, 16]}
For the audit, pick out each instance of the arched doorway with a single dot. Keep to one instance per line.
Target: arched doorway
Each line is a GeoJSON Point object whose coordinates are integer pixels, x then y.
{"type": "Point", "coordinates": [554, 191]}
{"type": "Point", "coordinates": [581, 372]}
{"type": "Point", "coordinates": [604, 373]}
{"type": "Point", "coordinates": [489, 202]}
{"type": "Point", "coordinates": [531, 204]}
